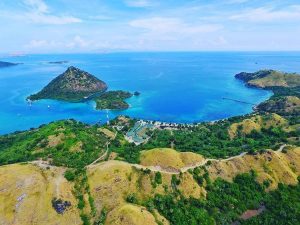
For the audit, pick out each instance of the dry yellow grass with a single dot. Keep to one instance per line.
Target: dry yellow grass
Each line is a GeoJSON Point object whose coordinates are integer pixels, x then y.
{"type": "Point", "coordinates": [54, 140]}
{"type": "Point", "coordinates": [278, 79]}
{"type": "Point", "coordinates": [77, 147]}
{"type": "Point", "coordinates": [276, 166]}
{"type": "Point", "coordinates": [107, 132]}
{"type": "Point", "coordinates": [169, 158]}
{"type": "Point", "coordinates": [112, 181]}
{"type": "Point", "coordinates": [257, 123]}
{"type": "Point", "coordinates": [129, 214]}
{"type": "Point", "coordinates": [189, 187]}
{"type": "Point", "coordinates": [292, 104]}
{"type": "Point", "coordinates": [26, 192]}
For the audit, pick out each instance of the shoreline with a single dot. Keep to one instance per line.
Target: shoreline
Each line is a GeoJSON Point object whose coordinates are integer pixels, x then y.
{"type": "Point", "coordinates": [178, 124]}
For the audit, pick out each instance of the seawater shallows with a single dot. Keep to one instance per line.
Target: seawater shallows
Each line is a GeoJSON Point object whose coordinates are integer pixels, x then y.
{"type": "Point", "coordinates": [175, 87]}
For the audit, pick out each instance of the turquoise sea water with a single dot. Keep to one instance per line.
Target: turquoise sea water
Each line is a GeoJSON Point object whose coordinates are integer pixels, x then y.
{"type": "Point", "coordinates": [175, 87]}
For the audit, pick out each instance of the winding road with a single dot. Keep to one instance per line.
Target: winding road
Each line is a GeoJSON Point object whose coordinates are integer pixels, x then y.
{"type": "Point", "coordinates": [159, 168]}
{"type": "Point", "coordinates": [199, 164]}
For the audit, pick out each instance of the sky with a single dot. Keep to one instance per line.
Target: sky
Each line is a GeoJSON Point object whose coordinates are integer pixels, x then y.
{"type": "Point", "coordinates": [93, 26]}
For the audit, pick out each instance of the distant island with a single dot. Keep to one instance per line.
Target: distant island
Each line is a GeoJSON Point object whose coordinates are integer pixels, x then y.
{"type": "Point", "coordinates": [76, 85]}
{"type": "Point", "coordinates": [7, 64]}
{"type": "Point", "coordinates": [58, 62]}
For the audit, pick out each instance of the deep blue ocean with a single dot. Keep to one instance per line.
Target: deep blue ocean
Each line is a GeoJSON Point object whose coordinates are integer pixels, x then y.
{"type": "Point", "coordinates": [175, 87]}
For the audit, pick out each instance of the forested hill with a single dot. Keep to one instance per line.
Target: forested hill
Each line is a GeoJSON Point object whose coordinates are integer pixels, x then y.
{"type": "Point", "coordinates": [73, 85]}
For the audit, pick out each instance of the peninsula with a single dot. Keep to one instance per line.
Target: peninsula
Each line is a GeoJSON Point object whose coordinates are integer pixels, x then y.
{"type": "Point", "coordinates": [285, 86]}
{"type": "Point", "coordinates": [74, 85]}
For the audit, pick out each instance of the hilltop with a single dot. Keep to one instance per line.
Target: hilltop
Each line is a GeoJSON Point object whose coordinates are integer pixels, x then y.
{"type": "Point", "coordinates": [73, 85]}
{"type": "Point", "coordinates": [115, 192]}
{"type": "Point", "coordinates": [270, 78]}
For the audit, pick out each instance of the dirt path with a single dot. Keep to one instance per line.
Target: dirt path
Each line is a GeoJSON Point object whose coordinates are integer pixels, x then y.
{"type": "Point", "coordinates": [59, 179]}
{"type": "Point", "coordinates": [102, 157]}
{"type": "Point", "coordinates": [202, 163]}
{"type": "Point", "coordinates": [186, 168]}
{"type": "Point", "coordinates": [281, 148]}
{"type": "Point", "coordinates": [159, 168]}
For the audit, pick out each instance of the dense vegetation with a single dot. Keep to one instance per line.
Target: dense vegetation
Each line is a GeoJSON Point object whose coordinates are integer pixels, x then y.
{"type": "Point", "coordinates": [64, 143]}
{"type": "Point", "coordinates": [73, 85]}
{"type": "Point", "coordinates": [227, 201]}
{"type": "Point", "coordinates": [113, 100]}
{"type": "Point", "coordinates": [212, 139]}
{"type": "Point", "coordinates": [283, 105]}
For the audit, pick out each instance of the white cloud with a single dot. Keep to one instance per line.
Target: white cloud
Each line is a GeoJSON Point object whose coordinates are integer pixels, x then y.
{"type": "Point", "coordinates": [172, 25]}
{"type": "Point", "coordinates": [159, 32]}
{"type": "Point", "coordinates": [139, 3]}
{"type": "Point", "coordinates": [269, 15]}
{"type": "Point", "coordinates": [36, 44]}
{"type": "Point", "coordinates": [38, 12]}
{"type": "Point", "coordinates": [38, 5]}
{"type": "Point", "coordinates": [75, 43]}
{"type": "Point", "coordinates": [78, 42]}
{"type": "Point", "coordinates": [51, 19]}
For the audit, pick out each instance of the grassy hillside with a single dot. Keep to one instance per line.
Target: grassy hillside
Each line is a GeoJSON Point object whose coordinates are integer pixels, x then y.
{"type": "Point", "coordinates": [27, 192]}
{"type": "Point", "coordinates": [64, 143]}
{"type": "Point", "coordinates": [270, 78]}
{"type": "Point", "coordinates": [257, 124]}
{"type": "Point", "coordinates": [169, 158]}
{"type": "Point", "coordinates": [115, 192]}
{"type": "Point", "coordinates": [286, 105]}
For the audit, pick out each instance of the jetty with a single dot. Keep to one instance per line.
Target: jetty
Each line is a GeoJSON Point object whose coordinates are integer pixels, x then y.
{"type": "Point", "coordinates": [240, 101]}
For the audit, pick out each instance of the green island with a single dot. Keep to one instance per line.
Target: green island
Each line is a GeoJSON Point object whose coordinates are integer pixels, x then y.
{"type": "Point", "coordinates": [76, 85]}
{"type": "Point", "coordinates": [240, 170]}
{"type": "Point", "coordinates": [73, 85]}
